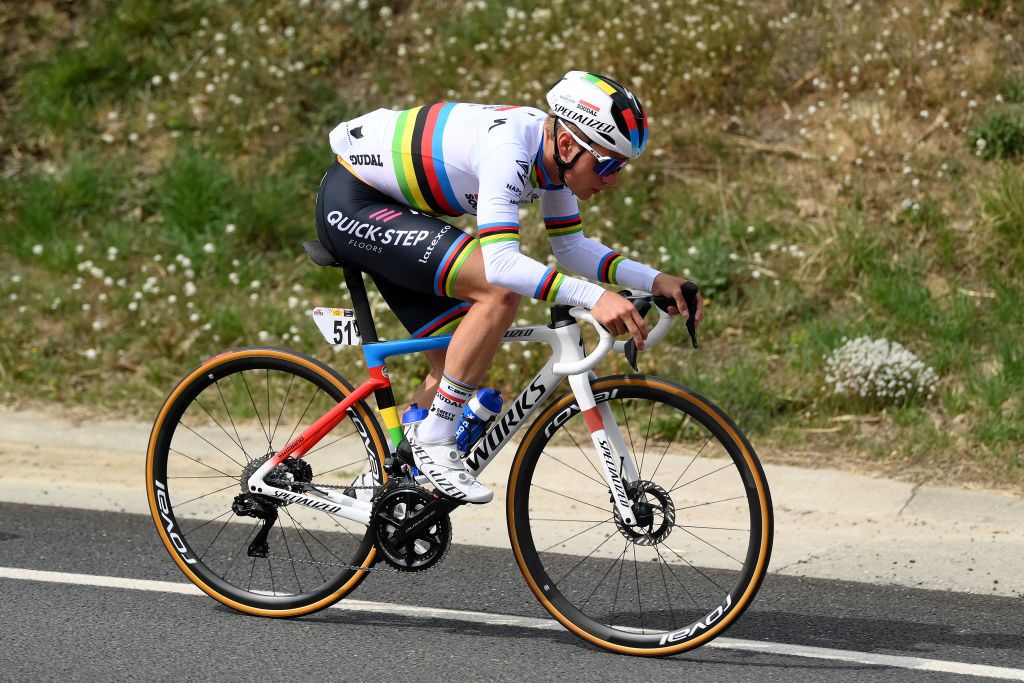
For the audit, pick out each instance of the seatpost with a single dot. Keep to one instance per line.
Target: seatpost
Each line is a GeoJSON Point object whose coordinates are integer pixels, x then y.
{"type": "Point", "coordinates": [361, 305]}
{"type": "Point", "coordinates": [364, 318]}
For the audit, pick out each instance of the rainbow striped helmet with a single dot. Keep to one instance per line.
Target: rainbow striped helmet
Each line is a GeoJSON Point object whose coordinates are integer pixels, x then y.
{"type": "Point", "coordinates": [605, 111]}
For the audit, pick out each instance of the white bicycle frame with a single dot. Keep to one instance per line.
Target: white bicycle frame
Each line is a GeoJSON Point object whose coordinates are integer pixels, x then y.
{"type": "Point", "coordinates": [568, 359]}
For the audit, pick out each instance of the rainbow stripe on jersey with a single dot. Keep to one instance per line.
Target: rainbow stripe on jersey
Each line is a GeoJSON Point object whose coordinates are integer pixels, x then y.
{"type": "Point", "coordinates": [418, 155]}
{"type": "Point", "coordinates": [451, 264]}
{"type": "Point", "coordinates": [547, 290]}
{"type": "Point", "coordinates": [560, 226]}
{"type": "Point", "coordinates": [494, 233]}
{"type": "Point", "coordinates": [608, 267]}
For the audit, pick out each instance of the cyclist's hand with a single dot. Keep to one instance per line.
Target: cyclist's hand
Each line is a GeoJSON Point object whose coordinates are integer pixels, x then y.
{"type": "Point", "coordinates": [620, 316]}
{"type": "Point", "coordinates": [671, 286]}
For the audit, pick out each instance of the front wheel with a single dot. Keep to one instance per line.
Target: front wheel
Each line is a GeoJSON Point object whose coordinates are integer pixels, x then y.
{"type": "Point", "coordinates": [701, 545]}
{"type": "Point", "coordinates": [221, 422]}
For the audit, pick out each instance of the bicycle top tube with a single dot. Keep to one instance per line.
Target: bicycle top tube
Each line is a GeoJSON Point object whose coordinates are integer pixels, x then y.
{"type": "Point", "coordinates": [377, 352]}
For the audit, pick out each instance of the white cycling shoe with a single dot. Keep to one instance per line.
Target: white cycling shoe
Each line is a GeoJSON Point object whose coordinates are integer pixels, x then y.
{"type": "Point", "coordinates": [444, 467]}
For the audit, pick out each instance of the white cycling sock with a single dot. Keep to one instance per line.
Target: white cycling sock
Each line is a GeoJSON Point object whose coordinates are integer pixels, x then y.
{"type": "Point", "coordinates": [445, 411]}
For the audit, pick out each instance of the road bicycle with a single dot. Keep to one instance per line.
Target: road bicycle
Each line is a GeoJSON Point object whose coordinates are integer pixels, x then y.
{"type": "Point", "coordinates": [638, 513]}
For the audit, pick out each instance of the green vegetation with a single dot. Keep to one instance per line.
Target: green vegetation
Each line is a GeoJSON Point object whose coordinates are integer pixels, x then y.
{"type": "Point", "coordinates": [817, 167]}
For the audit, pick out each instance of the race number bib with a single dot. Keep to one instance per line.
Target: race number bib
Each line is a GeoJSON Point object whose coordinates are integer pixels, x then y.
{"type": "Point", "coordinates": [338, 325]}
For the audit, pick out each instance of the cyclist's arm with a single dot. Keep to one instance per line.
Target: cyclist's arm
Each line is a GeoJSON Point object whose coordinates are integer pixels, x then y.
{"type": "Point", "coordinates": [584, 255]}
{"type": "Point", "coordinates": [498, 224]}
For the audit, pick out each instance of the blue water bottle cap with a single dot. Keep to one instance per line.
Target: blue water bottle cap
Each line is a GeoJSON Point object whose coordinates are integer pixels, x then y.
{"type": "Point", "coordinates": [414, 414]}
{"type": "Point", "coordinates": [490, 399]}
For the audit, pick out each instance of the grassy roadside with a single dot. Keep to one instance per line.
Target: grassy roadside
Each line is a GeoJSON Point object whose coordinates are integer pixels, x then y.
{"type": "Point", "coordinates": [824, 172]}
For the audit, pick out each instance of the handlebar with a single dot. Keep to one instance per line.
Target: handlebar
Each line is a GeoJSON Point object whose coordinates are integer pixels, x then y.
{"type": "Point", "coordinates": [607, 343]}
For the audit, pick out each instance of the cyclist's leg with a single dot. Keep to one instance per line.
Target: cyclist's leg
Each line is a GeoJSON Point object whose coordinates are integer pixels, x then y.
{"type": "Point", "coordinates": [427, 270]}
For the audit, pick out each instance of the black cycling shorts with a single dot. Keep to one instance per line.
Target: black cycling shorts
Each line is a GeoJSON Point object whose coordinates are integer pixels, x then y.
{"type": "Point", "coordinates": [413, 258]}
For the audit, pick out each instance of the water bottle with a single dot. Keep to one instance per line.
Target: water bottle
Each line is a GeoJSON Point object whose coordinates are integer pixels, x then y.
{"type": "Point", "coordinates": [412, 416]}
{"type": "Point", "coordinates": [479, 411]}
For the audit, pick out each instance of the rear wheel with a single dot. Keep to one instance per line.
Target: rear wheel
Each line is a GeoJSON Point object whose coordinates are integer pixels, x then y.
{"type": "Point", "coordinates": [218, 425]}
{"type": "Point", "coordinates": [700, 549]}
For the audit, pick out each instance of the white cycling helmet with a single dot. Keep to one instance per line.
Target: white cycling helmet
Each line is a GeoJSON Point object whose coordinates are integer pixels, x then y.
{"type": "Point", "coordinates": [607, 113]}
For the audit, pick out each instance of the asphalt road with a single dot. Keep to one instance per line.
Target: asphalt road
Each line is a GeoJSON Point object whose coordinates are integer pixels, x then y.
{"type": "Point", "coordinates": [69, 631]}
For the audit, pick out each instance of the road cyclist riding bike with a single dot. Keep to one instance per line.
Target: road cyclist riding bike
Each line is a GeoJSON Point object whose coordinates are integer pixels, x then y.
{"type": "Point", "coordinates": [398, 173]}
{"type": "Point", "coordinates": [637, 511]}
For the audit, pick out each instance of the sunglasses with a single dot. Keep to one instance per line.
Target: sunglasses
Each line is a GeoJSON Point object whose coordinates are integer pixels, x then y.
{"type": "Point", "coordinates": [604, 166]}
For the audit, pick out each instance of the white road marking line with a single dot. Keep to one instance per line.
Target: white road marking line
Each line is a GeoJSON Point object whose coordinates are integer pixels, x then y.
{"type": "Point", "coordinates": [894, 661]}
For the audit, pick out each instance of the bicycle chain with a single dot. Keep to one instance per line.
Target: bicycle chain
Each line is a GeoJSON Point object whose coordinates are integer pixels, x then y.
{"type": "Point", "coordinates": [316, 563]}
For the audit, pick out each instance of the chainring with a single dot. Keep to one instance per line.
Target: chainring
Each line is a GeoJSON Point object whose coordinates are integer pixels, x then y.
{"type": "Point", "coordinates": [394, 511]}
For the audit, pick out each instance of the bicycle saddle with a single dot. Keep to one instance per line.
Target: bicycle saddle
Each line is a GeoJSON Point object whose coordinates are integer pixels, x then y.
{"type": "Point", "coordinates": [319, 254]}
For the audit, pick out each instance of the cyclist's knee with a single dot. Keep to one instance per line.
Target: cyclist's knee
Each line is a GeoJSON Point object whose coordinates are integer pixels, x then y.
{"type": "Point", "coordinates": [500, 300]}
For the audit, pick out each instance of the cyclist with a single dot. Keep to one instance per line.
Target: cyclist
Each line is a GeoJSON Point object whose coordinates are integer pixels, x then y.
{"type": "Point", "coordinates": [398, 173]}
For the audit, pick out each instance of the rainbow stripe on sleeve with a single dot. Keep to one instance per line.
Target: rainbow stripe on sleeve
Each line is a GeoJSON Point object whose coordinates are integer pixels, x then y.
{"type": "Point", "coordinates": [493, 233]}
{"type": "Point", "coordinates": [609, 264]}
{"type": "Point", "coordinates": [560, 226]}
{"type": "Point", "coordinates": [547, 289]}
{"type": "Point", "coordinates": [418, 156]}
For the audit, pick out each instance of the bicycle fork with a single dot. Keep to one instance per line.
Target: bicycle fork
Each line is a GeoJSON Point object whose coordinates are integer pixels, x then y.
{"type": "Point", "coordinates": [611, 449]}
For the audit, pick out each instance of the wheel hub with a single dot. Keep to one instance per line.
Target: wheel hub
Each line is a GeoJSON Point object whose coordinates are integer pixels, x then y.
{"type": "Point", "coordinates": [654, 511]}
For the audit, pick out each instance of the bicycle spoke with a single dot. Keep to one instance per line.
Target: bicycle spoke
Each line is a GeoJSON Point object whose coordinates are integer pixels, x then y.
{"type": "Point", "coordinates": [596, 471]}
{"type": "Point", "coordinates": [710, 545]}
{"type": "Point", "coordinates": [557, 493]}
{"type": "Point", "coordinates": [284, 402]}
{"type": "Point", "coordinates": [214, 540]}
{"type": "Point", "coordinates": [587, 556]}
{"type": "Point", "coordinates": [679, 425]}
{"type": "Point", "coordinates": [693, 460]}
{"type": "Point", "coordinates": [668, 566]}
{"type": "Point", "coordinates": [575, 535]}
{"type": "Point", "coordinates": [288, 552]}
{"type": "Point", "coordinates": [611, 565]}
{"type": "Point", "coordinates": [256, 410]}
{"type": "Point", "coordinates": [214, 447]}
{"type": "Point", "coordinates": [216, 422]}
{"type": "Point", "coordinates": [639, 601]}
{"type": "Point", "coordinates": [696, 569]}
{"type": "Point", "coordinates": [713, 502]}
{"type": "Point", "coordinates": [643, 454]}
{"type": "Point", "coordinates": [320, 447]}
{"type": "Point", "coordinates": [200, 462]}
{"type": "Point", "coordinates": [233, 425]}
{"type": "Point", "coordinates": [584, 474]}
{"type": "Point", "coordinates": [303, 416]}
{"type": "Point", "coordinates": [209, 521]}
{"type": "Point", "coordinates": [725, 466]}
{"type": "Point", "coordinates": [205, 495]}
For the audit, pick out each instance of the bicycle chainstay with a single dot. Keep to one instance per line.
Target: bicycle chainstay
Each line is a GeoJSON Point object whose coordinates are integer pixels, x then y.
{"type": "Point", "coordinates": [335, 565]}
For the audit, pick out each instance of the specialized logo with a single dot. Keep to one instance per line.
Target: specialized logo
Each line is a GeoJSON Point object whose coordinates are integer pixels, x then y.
{"type": "Point", "coordinates": [497, 122]}
{"type": "Point", "coordinates": [365, 160]}
{"type": "Point", "coordinates": [512, 334]}
{"type": "Point", "coordinates": [172, 534]}
{"type": "Point", "coordinates": [305, 500]}
{"type": "Point", "coordinates": [692, 629]}
{"type": "Point", "coordinates": [356, 132]}
{"type": "Point", "coordinates": [583, 119]}
{"type": "Point", "coordinates": [613, 470]}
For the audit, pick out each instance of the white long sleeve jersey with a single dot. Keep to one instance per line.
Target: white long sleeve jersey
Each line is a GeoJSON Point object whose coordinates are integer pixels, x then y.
{"type": "Point", "coordinates": [450, 159]}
